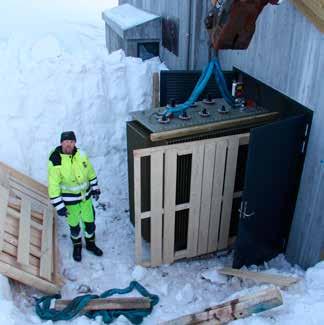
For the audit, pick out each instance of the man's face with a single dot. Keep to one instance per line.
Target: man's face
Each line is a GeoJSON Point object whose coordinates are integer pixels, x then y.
{"type": "Point", "coordinates": [68, 146]}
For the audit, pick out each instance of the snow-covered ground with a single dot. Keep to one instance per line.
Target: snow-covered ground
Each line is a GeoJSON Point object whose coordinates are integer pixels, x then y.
{"type": "Point", "coordinates": [56, 75]}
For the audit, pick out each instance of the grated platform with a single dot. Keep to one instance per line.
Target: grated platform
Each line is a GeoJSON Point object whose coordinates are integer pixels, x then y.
{"type": "Point", "coordinates": [149, 118]}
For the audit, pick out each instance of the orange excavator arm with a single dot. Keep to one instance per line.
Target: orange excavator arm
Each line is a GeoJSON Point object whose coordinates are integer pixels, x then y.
{"type": "Point", "coordinates": [231, 23]}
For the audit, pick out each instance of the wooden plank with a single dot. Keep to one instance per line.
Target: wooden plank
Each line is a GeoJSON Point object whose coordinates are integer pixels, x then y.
{"type": "Point", "coordinates": [318, 22]}
{"type": "Point", "coordinates": [207, 188]}
{"type": "Point", "coordinates": [184, 152]}
{"type": "Point", "coordinates": [4, 178]}
{"type": "Point", "coordinates": [231, 163]}
{"type": "Point", "coordinates": [316, 7]}
{"type": "Point", "coordinates": [34, 190]}
{"type": "Point", "coordinates": [236, 195]}
{"type": "Point", "coordinates": [34, 203]}
{"type": "Point", "coordinates": [156, 90]}
{"type": "Point", "coordinates": [245, 139]}
{"type": "Point", "coordinates": [17, 215]}
{"type": "Point", "coordinates": [234, 309]}
{"type": "Point", "coordinates": [217, 195]}
{"type": "Point", "coordinates": [56, 255]}
{"type": "Point", "coordinates": [156, 207]}
{"type": "Point", "coordinates": [4, 197]}
{"type": "Point", "coordinates": [34, 214]}
{"type": "Point", "coordinates": [170, 180]}
{"type": "Point", "coordinates": [195, 196]}
{"type": "Point", "coordinates": [24, 232]}
{"type": "Point", "coordinates": [178, 207]}
{"type": "Point", "coordinates": [180, 254]}
{"type": "Point", "coordinates": [279, 280]}
{"type": "Point", "coordinates": [138, 209]}
{"type": "Point", "coordinates": [11, 250]}
{"type": "Point", "coordinates": [24, 179]}
{"type": "Point", "coordinates": [110, 303]}
{"type": "Point", "coordinates": [12, 260]}
{"type": "Point", "coordinates": [12, 226]}
{"type": "Point", "coordinates": [21, 190]}
{"type": "Point", "coordinates": [47, 246]}
{"type": "Point", "coordinates": [28, 279]}
{"type": "Point", "coordinates": [186, 147]}
{"type": "Point", "coordinates": [213, 126]}
{"type": "Point", "coordinates": [34, 250]}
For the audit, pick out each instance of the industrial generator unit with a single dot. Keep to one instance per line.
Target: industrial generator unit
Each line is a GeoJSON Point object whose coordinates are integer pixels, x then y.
{"type": "Point", "coordinates": [216, 176]}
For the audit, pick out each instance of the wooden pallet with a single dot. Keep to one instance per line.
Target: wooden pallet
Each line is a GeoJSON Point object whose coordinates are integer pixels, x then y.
{"type": "Point", "coordinates": [211, 196]}
{"type": "Point", "coordinates": [28, 250]}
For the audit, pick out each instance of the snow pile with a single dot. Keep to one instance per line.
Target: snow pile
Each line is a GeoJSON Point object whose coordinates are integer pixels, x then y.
{"type": "Point", "coordinates": [56, 75]}
{"type": "Point", "coordinates": [303, 303]}
{"type": "Point", "coordinates": [52, 91]}
{"type": "Point", "coordinates": [127, 16]}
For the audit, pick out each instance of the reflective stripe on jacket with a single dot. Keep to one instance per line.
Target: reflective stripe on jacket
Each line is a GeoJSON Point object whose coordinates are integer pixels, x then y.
{"type": "Point", "coordinates": [71, 178]}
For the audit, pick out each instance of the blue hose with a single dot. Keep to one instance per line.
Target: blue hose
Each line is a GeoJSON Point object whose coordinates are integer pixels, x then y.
{"type": "Point", "coordinates": [212, 67]}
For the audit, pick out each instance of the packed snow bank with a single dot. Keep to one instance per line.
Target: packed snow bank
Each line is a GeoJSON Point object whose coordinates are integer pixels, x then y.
{"type": "Point", "coordinates": [77, 25]}
{"type": "Point", "coordinates": [56, 75]}
{"type": "Point", "coordinates": [303, 303]}
{"type": "Point", "coordinates": [52, 91]}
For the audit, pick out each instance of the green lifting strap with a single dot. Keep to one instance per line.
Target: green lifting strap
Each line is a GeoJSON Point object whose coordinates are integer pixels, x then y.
{"type": "Point", "coordinates": [135, 316]}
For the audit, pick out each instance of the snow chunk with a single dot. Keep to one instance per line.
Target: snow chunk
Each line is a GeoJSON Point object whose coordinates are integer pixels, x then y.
{"type": "Point", "coordinates": [5, 290]}
{"type": "Point", "coordinates": [138, 272]}
{"type": "Point", "coordinates": [214, 277]}
{"type": "Point", "coordinates": [46, 48]}
{"type": "Point", "coordinates": [127, 16]}
{"type": "Point", "coordinates": [315, 277]}
{"type": "Point", "coordinates": [186, 294]}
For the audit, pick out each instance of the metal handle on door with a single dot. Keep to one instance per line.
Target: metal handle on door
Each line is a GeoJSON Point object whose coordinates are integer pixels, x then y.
{"type": "Point", "coordinates": [240, 210]}
{"type": "Point", "coordinates": [243, 213]}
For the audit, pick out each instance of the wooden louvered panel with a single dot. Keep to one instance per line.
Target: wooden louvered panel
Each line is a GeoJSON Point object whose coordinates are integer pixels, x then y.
{"type": "Point", "coordinates": [213, 171]}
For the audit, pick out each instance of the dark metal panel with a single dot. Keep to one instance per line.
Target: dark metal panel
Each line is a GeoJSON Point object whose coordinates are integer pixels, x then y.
{"type": "Point", "coordinates": [179, 85]}
{"type": "Point", "coordinates": [271, 178]}
{"type": "Point", "coordinates": [170, 34]}
{"type": "Point", "coordinates": [271, 98]}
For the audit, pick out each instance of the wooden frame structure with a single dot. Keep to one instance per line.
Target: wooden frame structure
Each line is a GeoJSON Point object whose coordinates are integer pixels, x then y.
{"type": "Point", "coordinates": [28, 250]}
{"type": "Point", "coordinates": [213, 172]}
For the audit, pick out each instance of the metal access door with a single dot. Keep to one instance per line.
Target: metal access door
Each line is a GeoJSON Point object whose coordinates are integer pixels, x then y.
{"type": "Point", "coordinates": [271, 183]}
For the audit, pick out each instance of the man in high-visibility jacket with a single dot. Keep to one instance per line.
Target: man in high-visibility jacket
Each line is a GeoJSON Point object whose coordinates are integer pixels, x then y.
{"type": "Point", "coordinates": [71, 183]}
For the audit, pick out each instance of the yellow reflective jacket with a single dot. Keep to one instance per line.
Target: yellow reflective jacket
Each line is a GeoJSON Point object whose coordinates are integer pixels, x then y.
{"type": "Point", "coordinates": [71, 178]}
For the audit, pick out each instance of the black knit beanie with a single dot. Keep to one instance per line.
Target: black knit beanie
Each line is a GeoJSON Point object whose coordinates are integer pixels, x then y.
{"type": "Point", "coordinates": [68, 135]}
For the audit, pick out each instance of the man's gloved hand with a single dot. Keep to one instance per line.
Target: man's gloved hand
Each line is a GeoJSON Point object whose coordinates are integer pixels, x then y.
{"type": "Point", "coordinates": [95, 194]}
{"type": "Point", "coordinates": [62, 212]}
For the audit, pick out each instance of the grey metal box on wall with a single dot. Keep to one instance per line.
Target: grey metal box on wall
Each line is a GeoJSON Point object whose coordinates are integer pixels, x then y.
{"type": "Point", "coordinates": [135, 31]}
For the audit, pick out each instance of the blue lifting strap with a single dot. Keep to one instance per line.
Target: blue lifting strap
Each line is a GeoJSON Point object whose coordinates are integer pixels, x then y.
{"type": "Point", "coordinates": [73, 309]}
{"type": "Point", "coordinates": [213, 67]}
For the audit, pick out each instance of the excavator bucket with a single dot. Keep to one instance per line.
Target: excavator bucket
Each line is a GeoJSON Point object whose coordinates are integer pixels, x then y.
{"type": "Point", "coordinates": [231, 23]}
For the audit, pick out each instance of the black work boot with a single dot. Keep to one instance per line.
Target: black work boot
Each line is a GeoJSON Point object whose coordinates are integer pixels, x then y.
{"type": "Point", "coordinates": [91, 246]}
{"type": "Point", "coordinates": [77, 247]}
